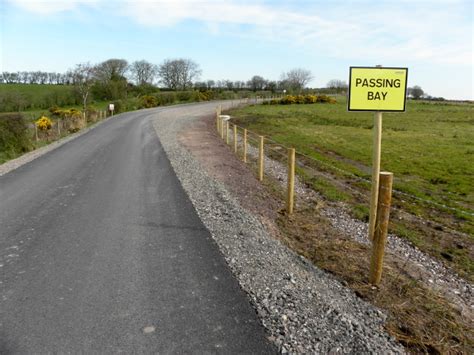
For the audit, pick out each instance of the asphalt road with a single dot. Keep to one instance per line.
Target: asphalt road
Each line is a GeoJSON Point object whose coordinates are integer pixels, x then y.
{"type": "Point", "coordinates": [101, 251]}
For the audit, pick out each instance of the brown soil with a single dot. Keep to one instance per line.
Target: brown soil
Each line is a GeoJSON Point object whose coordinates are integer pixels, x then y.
{"type": "Point", "coordinates": [420, 318]}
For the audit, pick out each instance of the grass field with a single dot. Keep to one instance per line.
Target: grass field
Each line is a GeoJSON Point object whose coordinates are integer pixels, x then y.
{"type": "Point", "coordinates": [21, 97]}
{"type": "Point", "coordinates": [429, 148]}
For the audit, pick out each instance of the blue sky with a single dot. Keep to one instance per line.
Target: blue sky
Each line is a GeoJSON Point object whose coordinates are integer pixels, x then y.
{"type": "Point", "coordinates": [235, 40]}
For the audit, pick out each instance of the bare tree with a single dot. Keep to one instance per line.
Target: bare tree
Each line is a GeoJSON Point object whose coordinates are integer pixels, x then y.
{"type": "Point", "coordinates": [296, 79]}
{"type": "Point", "coordinates": [83, 79]}
{"type": "Point", "coordinates": [178, 74]}
{"type": "Point", "coordinates": [143, 72]}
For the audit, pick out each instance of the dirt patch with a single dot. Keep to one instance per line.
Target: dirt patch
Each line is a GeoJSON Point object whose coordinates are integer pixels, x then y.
{"type": "Point", "coordinates": [221, 163]}
{"type": "Point", "coordinates": [419, 317]}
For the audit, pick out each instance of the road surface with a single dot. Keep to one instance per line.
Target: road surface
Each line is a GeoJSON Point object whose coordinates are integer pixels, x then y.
{"type": "Point", "coordinates": [101, 251]}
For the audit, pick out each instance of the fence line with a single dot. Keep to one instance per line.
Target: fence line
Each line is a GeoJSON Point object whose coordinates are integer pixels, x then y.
{"type": "Point", "coordinates": [61, 127]}
{"type": "Point", "coordinates": [281, 154]}
{"type": "Point", "coordinates": [359, 178]}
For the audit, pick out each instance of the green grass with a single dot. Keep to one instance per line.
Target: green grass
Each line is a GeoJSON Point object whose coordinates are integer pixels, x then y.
{"type": "Point", "coordinates": [24, 97]}
{"type": "Point", "coordinates": [429, 148]}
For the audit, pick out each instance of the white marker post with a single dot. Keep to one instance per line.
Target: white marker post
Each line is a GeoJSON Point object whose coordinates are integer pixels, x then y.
{"type": "Point", "coordinates": [111, 109]}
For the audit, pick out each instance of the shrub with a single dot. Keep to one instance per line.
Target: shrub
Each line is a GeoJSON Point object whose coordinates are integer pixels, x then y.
{"type": "Point", "coordinates": [165, 98]}
{"type": "Point", "coordinates": [149, 101]}
{"type": "Point", "coordinates": [326, 99]}
{"type": "Point", "coordinates": [14, 137]}
{"type": "Point", "coordinates": [92, 115]}
{"type": "Point", "coordinates": [288, 100]}
{"type": "Point", "coordinates": [184, 95]}
{"type": "Point", "coordinates": [203, 96]}
{"type": "Point", "coordinates": [300, 99]}
{"type": "Point", "coordinates": [310, 99]}
{"type": "Point", "coordinates": [44, 123]}
{"type": "Point", "coordinates": [119, 106]}
{"type": "Point", "coordinates": [55, 110]}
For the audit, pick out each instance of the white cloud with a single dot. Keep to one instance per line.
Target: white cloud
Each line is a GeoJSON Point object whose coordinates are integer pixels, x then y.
{"type": "Point", "coordinates": [47, 7]}
{"type": "Point", "coordinates": [389, 31]}
{"type": "Point", "coordinates": [384, 31]}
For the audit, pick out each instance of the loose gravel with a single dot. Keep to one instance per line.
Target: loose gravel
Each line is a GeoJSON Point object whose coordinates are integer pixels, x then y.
{"type": "Point", "coordinates": [433, 273]}
{"type": "Point", "coordinates": [303, 308]}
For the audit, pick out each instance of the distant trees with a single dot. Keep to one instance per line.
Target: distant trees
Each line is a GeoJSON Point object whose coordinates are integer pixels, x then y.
{"type": "Point", "coordinates": [111, 70]}
{"type": "Point", "coordinates": [415, 92]}
{"type": "Point", "coordinates": [178, 74]}
{"type": "Point", "coordinates": [143, 72]}
{"type": "Point", "coordinates": [337, 85]}
{"type": "Point", "coordinates": [111, 82]}
{"type": "Point", "coordinates": [33, 77]}
{"type": "Point", "coordinates": [256, 83]}
{"type": "Point", "coordinates": [296, 79]}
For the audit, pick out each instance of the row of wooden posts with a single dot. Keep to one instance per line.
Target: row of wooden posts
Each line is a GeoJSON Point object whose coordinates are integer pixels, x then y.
{"type": "Point", "coordinates": [102, 114]}
{"type": "Point", "coordinates": [384, 192]}
{"type": "Point", "coordinates": [224, 129]}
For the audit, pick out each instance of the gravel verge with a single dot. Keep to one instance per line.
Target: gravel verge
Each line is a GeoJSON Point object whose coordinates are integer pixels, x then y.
{"type": "Point", "coordinates": [432, 272]}
{"type": "Point", "coordinates": [303, 308]}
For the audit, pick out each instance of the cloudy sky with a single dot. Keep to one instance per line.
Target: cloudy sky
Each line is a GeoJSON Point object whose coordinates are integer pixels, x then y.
{"type": "Point", "coordinates": [236, 39]}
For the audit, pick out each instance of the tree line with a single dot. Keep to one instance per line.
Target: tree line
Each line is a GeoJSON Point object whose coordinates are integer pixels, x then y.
{"type": "Point", "coordinates": [116, 79]}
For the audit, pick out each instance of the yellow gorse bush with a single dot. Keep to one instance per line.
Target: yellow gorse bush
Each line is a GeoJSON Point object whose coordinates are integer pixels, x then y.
{"type": "Point", "coordinates": [301, 99]}
{"type": "Point", "coordinates": [44, 123]}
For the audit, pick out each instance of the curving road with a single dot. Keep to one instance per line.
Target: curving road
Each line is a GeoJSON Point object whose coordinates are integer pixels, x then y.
{"type": "Point", "coordinates": [101, 251]}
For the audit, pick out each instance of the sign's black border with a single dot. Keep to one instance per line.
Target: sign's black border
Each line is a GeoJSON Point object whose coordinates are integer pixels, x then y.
{"type": "Point", "coordinates": [349, 91]}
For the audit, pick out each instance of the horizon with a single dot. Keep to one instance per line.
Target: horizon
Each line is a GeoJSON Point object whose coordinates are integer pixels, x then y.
{"type": "Point", "coordinates": [233, 40]}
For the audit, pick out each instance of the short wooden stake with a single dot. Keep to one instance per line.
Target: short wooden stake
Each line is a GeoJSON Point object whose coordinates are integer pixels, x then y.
{"type": "Point", "coordinates": [377, 147]}
{"type": "Point", "coordinates": [260, 159]}
{"type": "Point", "coordinates": [59, 128]}
{"type": "Point", "coordinates": [222, 128]}
{"type": "Point", "coordinates": [227, 132]}
{"type": "Point", "coordinates": [235, 139]}
{"type": "Point", "coordinates": [291, 181]}
{"type": "Point", "coordinates": [245, 145]}
{"type": "Point", "coordinates": [381, 227]}
{"type": "Point", "coordinates": [36, 132]}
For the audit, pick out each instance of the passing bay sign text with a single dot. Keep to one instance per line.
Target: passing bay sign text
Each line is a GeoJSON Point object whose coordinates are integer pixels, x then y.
{"type": "Point", "coordinates": [377, 89]}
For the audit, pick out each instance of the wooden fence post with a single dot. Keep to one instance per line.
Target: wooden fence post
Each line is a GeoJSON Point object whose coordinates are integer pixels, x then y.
{"type": "Point", "coordinates": [291, 180]}
{"type": "Point", "coordinates": [381, 227]}
{"type": "Point", "coordinates": [59, 128]}
{"type": "Point", "coordinates": [260, 159]}
{"type": "Point", "coordinates": [245, 145]}
{"type": "Point", "coordinates": [235, 139]}
{"type": "Point", "coordinates": [227, 132]}
{"type": "Point", "coordinates": [36, 132]}
{"type": "Point", "coordinates": [222, 128]}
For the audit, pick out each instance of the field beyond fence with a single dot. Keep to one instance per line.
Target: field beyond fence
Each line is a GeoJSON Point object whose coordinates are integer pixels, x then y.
{"type": "Point", "coordinates": [429, 148]}
{"type": "Point", "coordinates": [333, 179]}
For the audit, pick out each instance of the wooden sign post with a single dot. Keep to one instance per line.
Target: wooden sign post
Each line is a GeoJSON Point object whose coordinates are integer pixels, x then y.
{"type": "Point", "coordinates": [381, 90]}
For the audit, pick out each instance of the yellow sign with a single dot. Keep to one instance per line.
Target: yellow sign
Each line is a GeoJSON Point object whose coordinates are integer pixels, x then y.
{"type": "Point", "coordinates": [377, 89]}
